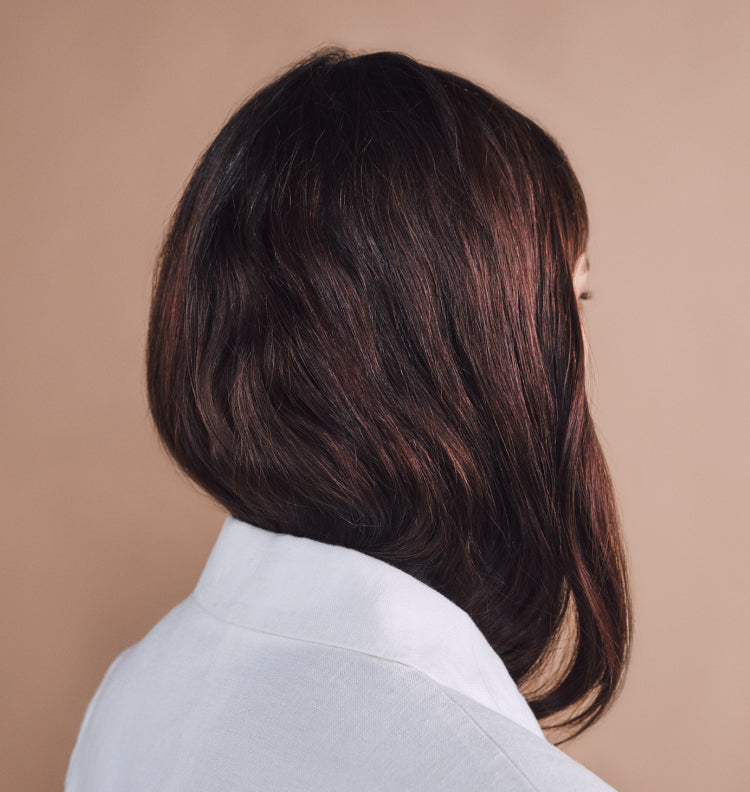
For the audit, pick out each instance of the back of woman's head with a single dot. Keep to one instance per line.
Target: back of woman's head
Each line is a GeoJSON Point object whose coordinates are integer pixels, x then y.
{"type": "Point", "coordinates": [364, 331]}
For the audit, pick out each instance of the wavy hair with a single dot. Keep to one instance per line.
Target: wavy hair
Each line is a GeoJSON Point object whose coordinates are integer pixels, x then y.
{"type": "Point", "coordinates": [364, 331]}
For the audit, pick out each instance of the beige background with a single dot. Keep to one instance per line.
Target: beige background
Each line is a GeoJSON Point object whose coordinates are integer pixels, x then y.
{"type": "Point", "coordinates": [106, 107]}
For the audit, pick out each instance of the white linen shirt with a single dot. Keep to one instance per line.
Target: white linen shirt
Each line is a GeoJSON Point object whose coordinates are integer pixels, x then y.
{"type": "Point", "coordinates": [300, 665]}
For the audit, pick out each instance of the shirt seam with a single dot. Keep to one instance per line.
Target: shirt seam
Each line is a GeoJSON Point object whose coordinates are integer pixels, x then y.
{"type": "Point", "coordinates": [251, 628]}
{"type": "Point", "coordinates": [500, 748]}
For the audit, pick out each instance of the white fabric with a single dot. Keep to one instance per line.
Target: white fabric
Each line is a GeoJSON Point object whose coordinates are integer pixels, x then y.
{"type": "Point", "coordinates": [299, 665]}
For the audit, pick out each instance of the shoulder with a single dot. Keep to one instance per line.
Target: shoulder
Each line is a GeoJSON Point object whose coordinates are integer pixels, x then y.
{"type": "Point", "coordinates": [199, 701]}
{"type": "Point", "coordinates": [543, 765]}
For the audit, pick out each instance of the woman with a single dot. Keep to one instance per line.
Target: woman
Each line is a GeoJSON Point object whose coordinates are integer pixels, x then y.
{"type": "Point", "coordinates": [365, 344]}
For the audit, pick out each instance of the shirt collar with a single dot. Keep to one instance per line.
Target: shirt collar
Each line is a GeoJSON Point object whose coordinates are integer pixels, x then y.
{"type": "Point", "coordinates": [306, 589]}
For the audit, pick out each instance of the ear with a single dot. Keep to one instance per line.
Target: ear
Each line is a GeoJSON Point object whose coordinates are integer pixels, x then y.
{"type": "Point", "coordinates": [580, 273]}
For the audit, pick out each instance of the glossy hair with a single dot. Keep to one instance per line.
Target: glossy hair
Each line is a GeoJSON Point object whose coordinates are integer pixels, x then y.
{"type": "Point", "coordinates": [364, 331]}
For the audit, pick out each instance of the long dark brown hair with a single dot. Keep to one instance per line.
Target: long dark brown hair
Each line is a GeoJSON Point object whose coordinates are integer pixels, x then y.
{"type": "Point", "coordinates": [364, 331]}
